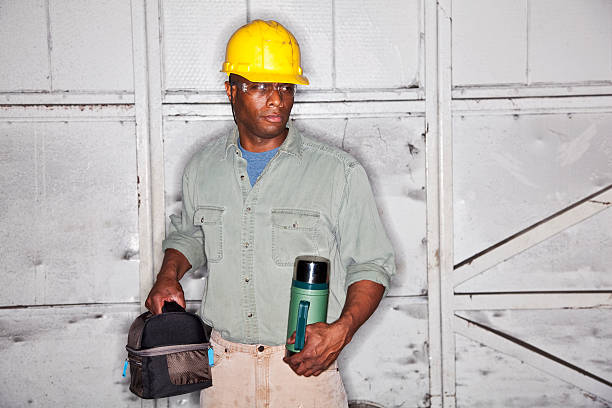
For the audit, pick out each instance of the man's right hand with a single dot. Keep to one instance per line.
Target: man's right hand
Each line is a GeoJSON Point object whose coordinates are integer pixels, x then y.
{"type": "Point", "coordinates": [167, 287]}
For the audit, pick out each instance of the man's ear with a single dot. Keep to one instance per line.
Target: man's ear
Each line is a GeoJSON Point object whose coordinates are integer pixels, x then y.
{"type": "Point", "coordinates": [228, 91]}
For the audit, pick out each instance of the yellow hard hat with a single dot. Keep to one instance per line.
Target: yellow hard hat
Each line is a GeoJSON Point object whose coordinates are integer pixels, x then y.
{"type": "Point", "coordinates": [264, 51]}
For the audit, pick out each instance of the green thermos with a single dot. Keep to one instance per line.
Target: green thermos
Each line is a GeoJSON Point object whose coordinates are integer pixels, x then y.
{"type": "Point", "coordinates": [309, 295]}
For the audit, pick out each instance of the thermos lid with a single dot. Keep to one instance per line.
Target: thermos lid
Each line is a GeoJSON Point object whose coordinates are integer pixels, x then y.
{"type": "Point", "coordinates": [311, 269]}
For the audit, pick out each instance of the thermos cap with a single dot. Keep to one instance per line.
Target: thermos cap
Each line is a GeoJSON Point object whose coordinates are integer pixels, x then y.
{"type": "Point", "coordinates": [311, 269]}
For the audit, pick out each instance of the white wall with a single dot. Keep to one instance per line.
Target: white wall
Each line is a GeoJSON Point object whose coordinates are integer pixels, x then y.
{"type": "Point", "coordinates": [103, 102]}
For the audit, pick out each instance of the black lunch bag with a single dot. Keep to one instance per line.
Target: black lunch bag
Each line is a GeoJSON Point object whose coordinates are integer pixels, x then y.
{"type": "Point", "coordinates": [168, 353]}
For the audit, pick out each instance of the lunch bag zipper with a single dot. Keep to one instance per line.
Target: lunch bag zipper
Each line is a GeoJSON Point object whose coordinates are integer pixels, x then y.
{"type": "Point", "coordinates": [158, 351]}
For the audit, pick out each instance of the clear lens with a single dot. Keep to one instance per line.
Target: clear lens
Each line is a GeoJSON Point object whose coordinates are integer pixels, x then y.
{"type": "Point", "coordinates": [260, 89]}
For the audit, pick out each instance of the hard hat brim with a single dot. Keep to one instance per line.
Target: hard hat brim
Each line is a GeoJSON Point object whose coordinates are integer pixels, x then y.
{"type": "Point", "coordinates": [273, 77]}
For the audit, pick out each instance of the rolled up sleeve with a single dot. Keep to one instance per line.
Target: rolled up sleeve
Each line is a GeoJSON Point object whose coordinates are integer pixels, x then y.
{"type": "Point", "coordinates": [184, 236]}
{"type": "Point", "coordinates": [365, 249]}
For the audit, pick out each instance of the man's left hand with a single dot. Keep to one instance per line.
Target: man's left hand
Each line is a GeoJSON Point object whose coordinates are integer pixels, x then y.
{"type": "Point", "coordinates": [322, 345]}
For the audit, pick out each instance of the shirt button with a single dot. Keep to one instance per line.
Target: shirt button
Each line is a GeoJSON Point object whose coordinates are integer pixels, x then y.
{"type": "Point", "coordinates": [242, 177]}
{"type": "Point", "coordinates": [250, 315]}
{"type": "Point", "coordinates": [246, 244]}
{"type": "Point", "coordinates": [248, 209]}
{"type": "Point", "coordinates": [246, 279]}
{"type": "Point", "coordinates": [260, 348]}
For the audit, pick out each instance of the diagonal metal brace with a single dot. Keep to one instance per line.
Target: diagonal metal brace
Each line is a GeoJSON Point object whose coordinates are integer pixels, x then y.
{"type": "Point", "coordinates": [532, 235]}
{"type": "Point", "coordinates": [534, 356]}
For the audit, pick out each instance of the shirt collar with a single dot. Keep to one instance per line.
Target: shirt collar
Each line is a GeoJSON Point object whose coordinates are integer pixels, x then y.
{"type": "Point", "coordinates": [292, 144]}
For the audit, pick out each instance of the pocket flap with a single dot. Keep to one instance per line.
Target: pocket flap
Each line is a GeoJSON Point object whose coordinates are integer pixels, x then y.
{"type": "Point", "coordinates": [294, 218]}
{"type": "Point", "coordinates": [207, 215]}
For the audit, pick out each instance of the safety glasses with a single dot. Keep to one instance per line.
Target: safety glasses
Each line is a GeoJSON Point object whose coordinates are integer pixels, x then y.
{"type": "Point", "coordinates": [264, 89]}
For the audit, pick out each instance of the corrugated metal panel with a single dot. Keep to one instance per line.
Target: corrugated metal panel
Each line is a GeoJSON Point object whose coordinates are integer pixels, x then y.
{"type": "Point", "coordinates": [377, 46]}
{"type": "Point", "coordinates": [500, 55]}
{"type": "Point", "coordinates": [579, 258]}
{"type": "Point", "coordinates": [388, 360]}
{"type": "Point", "coordinates": [71, 210]}
{"type": "Point", "coordinates": [65, 357]}
{"type": "Point", "coordinates": [91, 45]}
{"type": "Point", "coordinates": [311, 24]}
{"type": "Point", "coordinates": [369, 46]}
{"type": "Point", "coordinates": [569, 40]}
{"type": "Point", "coordinates": [487, 378]}
{"type": "Point", "coordinates": [25, 58]}
{"type": "Point", "coordinates": [512, 171]}
{"type": "Point", "coordinates": [530, 42]}
{"type": "Point", "coordinates": [194, 38]}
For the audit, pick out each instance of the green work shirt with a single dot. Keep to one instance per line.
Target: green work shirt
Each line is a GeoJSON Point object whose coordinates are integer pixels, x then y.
{"type": "Point", "coordinates": [311, 199]}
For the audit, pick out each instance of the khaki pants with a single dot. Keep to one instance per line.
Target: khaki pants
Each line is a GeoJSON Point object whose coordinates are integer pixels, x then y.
{"type": "Point", "coordinates": [256, 376]}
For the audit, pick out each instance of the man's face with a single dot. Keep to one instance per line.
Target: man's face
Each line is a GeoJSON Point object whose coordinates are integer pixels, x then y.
{"type": "Point", "coordinates": [260, 113]}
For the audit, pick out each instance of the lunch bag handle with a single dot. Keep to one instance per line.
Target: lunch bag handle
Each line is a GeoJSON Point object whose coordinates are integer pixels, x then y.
{"type": "Point", "coordinates": [172, 307]}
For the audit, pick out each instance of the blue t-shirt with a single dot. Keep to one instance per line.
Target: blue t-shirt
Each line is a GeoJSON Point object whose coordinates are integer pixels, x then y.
{"type": "Point", "coordinates": [256, 162]}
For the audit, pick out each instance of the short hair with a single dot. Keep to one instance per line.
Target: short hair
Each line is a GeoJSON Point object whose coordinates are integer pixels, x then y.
{"type": "Point", "coordinates": [233, 78]}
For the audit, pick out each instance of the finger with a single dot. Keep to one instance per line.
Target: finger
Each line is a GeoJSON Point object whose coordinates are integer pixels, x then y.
{"type": "Point", "coordinates": [290, 363]}
{"type": "Point", "coordinates": [301, 369]}
{"type": "Point", "coordinates": [295, 369]}
{"type": "Point", "coordinates": [311, 368]}
{"type": "Point", "coordinates": [295, 359]}
{"type": "Point", "coordinates": [158, 304]}
{"type": "Point", "coordinates": [291, 339]}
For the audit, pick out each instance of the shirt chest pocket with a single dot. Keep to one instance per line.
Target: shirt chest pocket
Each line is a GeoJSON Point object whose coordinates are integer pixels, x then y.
{"type": "Point", "coordinates": [210, 219]}
{"type": "Point", "coordinates": [294, 232]}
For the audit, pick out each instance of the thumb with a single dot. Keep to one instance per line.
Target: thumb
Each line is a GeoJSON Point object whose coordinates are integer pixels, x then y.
{"type": "Point", "coordinates": [180, 300]}
{"type": "Point", "coordinates": [291, 339]}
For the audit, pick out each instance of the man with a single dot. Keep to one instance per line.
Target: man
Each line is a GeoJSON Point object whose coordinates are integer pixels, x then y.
{"type": "Point", "coordinates": [255, 200]}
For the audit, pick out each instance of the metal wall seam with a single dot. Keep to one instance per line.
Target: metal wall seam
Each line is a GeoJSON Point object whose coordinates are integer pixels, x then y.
{"type": "Point", "coordinates": [145, 228]}
{"type": "Point", "coordinates": [222, 111]}
{"type": "Point", "coordinates": [140, 9]}
{"type": "Point", "coordinates": [67, 98]}
{"type": "Point", "coordinates": [444, 89]}
{"type": "Point", "coordinates": [172, 96]}
{"type": "Point", "coordinates": [533, 105]}
{"type": "Point", "coordinates": [533, 300]}
{"type": "Point", "coordinates": [154, 71]}
{"type": "Point", "coordinates": [67, 113]}
{"type": "Point", "coordinates": [592, 88]}
{"type": "Point", "coordinates": [49, 44]}
{"type": "Point", "coordinates": [433, 203]}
